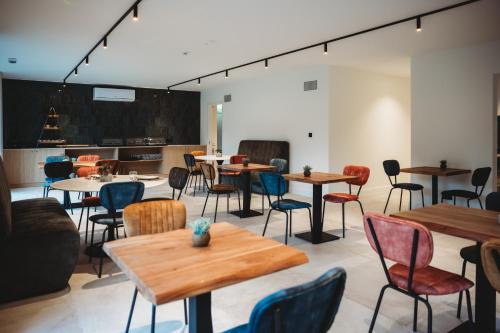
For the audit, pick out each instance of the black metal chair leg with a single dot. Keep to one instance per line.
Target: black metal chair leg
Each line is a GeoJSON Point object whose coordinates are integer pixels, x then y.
{"type": "Point", "coordinates": [460, 294]}
{"type": "Point", "coordinates": [286, 229]}
{"type": "Point", "coordinates": [311, 221]}
{"type": "Point", "coordinates": [87, 224]}
{"type": "Point", "coordinates": [480, 203]}
{"type": "Point", "coordinates": [454, 201]}
{"type": "Point", "coordinates": [429, 317]}
{"type": "Point", "coordinates": [415, 315]}
{"type": "Point", "coordinates": [239, 203]}
{"type": "Point", "coordinates": [323, 213]}
{"type": "Point", "coordinates": [388, 198]}
{"type": "Point", "coordinates": [195, 181]}
{"type": "Point", "coordinates": [262, 203]}
{"type": "Point", "coordinates": [131, 311]}
{"type": "Point", "coordinates": [187, 184]}
{"type": "Point", "coordinates": [153, 319]}
{"type": "Point", "coordinates": [185, 312]}
{"type": "Point", "coordinates": [205, 205]}
{"type": "Point", "coordinates": [377, 308]}
{"type": "Point", "coordinates": [267, 221]}
{"type": "Point", "coordinates": [290, 229]}
{"type": "Point", "coordinates": [401, 199]}
{"type": "Point", "coordinates": [469, 311]}
{"type": "Point", "coordinates": [80, 220]}
{"type": "Point", "coordinates": [410, 200]}
{"type": "Point", "coordinates": [91, 242]}
{"type": "Point", "coordinates": [101, 257]}
{"type": "Point", "coordinates": [216, 205]}
{"type": "Point", "coordinates": [361, 206]}
{"type": "Point", "coordinates": [468, 203]}
{"type": "Point", "coordinates": [343, 220]}
{"type": "Point", "coordinates": [423, 202]}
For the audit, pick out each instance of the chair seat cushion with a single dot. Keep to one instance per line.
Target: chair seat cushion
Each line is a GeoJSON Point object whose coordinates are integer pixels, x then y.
{"type": "Point", "coordinates": [429, 280]}
{"type": "Point", "coordinates": [289, 204]}
{"type": "Point", "coordinates": [107, 219]}
{"type": "Point", "coordinates": [409, 186]}
{"type": "Point", "coordinates": [470, 254]}
{"type": "Point", "coordinates": [224, 188]}
{"type": "Point", "coordinates": [459, 193]}
{"type": "Point", "coordinates": [238, 329]}
{"type": "Point", "coordinates": [91, 201]}
{"type": "Point", "coordinates": [340, 197]}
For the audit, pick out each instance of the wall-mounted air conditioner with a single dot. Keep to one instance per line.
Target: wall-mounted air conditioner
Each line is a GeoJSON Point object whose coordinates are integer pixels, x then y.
{"type": "Point", "coordinates": [114, 95]}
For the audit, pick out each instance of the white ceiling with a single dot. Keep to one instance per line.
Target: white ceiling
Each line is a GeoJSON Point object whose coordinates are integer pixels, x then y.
{"type": "Point", "coordinates": [48, 37]}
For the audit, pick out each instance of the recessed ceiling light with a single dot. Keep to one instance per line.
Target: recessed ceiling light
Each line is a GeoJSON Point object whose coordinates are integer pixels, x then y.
{"type": "Point", "coordinates": [12, 60]}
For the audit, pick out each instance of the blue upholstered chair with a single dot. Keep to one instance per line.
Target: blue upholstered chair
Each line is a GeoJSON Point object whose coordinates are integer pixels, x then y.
{"type": "Point", "coordinates": [114, 197]}
{"type": "Point", "coordinates": [308, 308]}
{"type": "Point", "coordinates": [49, 180]}
{"type": "Point", "coordinates": [274, 184]}
{"type": "Point", "coordinates": [281, 166]}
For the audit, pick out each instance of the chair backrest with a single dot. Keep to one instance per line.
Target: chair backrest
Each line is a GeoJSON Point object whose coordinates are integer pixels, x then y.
{"type": "Point", "coordinates": [361, 172]}
{"type": "Point", "coordinates": [118, 195]}
{"type": "Point", "coordinates": [58, 158]}
{"type": "Point", "coordinates": [58, 169]}
{"type": "Point", "coordinates": [273, 183]}
{"type": "Point", "coordinates": [114, 165]}
{"type": "Point", "coordinates": [480, 177]}
{"type": "Point", "coordinates": [490, 258]}
{"type": "Point", "coordinates": [5, 204]}
{"type": "Point", "coordinates": [208, 172]}
{"type": "Point", "coordinates": [86, 171]}
{"type": "Point", "coordinates": [177, 178]}
{"type": "Point", "coordinates": [88, 158]}
{"type": "Point", "coordinates": [284, 311]}
{"type": "Point", "coordinates": [493, 201]}
{"type": "Point", "coordinates": [237, 159]}
{"type": "Point", "coordinates": [391, 168]}
{"type": "Point", "coordinates": [190, 161]}
{"type": "Point", "coordinates": [395, 238]}
{"type": "Point", "coordinates": [151, 217]}
{"type": "Point", "coordinates": [280, 164]}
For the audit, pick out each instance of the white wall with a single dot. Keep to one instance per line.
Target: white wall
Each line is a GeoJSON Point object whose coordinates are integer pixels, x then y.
{"type": "Point", "coordinates": [453, 110]}
{"type": "Point", "coordinates": [369, 122]}
{"type": "Point", "coordinates": [276, 107]}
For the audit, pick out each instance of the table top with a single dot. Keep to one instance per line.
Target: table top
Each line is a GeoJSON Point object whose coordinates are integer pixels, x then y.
{"type": "Point", "coordinates": [213, 158]}
{"type": "Point", "coordinates": [469, 223]}
{"type": "Point", "coordinates": [318, 178]}
{"type": "Point", "coordinates": [82, 184]}
{"type": "Point", "coordinates": [76, 164]}
{"type": "Point", "coordinates": [165, 267]}
{"type": "Point", "coordinates": [251, 167]}
{"type": "Point", "coordinates": [435, 171]}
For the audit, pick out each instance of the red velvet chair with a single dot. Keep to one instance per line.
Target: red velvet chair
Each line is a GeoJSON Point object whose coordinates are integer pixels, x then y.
{"type": "Point", "coordinates": [411, 247]}
{"type": "Point", "coordinates": [226, 177]}
{"type": "Point", "coordinates": [362, 173]}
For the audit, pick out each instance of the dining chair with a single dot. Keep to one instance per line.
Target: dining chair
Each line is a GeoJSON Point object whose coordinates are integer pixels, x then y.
{"type": "Point", "coordinates": [470, 253]}
{"type": "Point", "coordinates": [114, 198]}
{"type": "Point", "coordinates": [307, 308]}
{"type": "Point", "coordinates": [194, 172]}
{"type": "Point", "coordinates": [177, 179]}
{"type": "Point", "coordinates": [280, 165]}
{"type": "Point", "coordinates": [479, 179]}
{"type": "Point", "coordinates": [363, 173]}
{"type": "Point", "coordinates": [490, 258]}
{"type": "Point", "coordinates": [152, 217]}
{"type": "Point", "coordinates": [274, 184]}
{"type": "Point", "coordinates": [217, 189]}
{"type": "Point", "coordinates": [410, 246]}
{"type": "Point", "coordinates": [392, 169]}
{"type": "Point", "coordinates": [48, 180]}
{"type": "Point", "coordinates": [54, 172]}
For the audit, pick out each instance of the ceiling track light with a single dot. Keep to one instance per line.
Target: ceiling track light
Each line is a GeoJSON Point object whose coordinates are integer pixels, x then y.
{"type": "Point", "coordinates": [76, 71]}
{"type": "Point", "coordinates": [135, 16]}
{"type": "Point", "coordinates": [199, 81]}
{"type": "Point", "coordinates": [419, 24]}
{"type": "Point", "coordinates": [325, 48]}
{"type": "Point", "coordinates": [227, 74]}
{"type": "Point", "coordinates": [105, 43]}
{"type": "Point", "coordinates": [266, 64]}
{"type": "Point", "coordinates": [87, 60]}
{"type": "Point", "coordinates": [168, 90]}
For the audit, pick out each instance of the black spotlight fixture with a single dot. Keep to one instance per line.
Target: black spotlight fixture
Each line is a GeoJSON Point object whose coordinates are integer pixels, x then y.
{"type": "Point", "coordinates": [105, 42]}
{"type": "Point", "coordinates": [227, 74]}
{"type": "Point", "coordinates": [76, 71]}
{"type": "Point", "coordinates": [168, 90]}
{"type": "Point", "coordinates": [266, 64]}
{"type": "Point", "coordinates": [419, 24]}
{"type": "Point", "coordinates": [87, 60]}
{"type": "Point", "coordinates": [325, 48]}
{"type": "Point", "coordinates": [199, 81]}
{"type": "Point", "coordinates": [135, 16]}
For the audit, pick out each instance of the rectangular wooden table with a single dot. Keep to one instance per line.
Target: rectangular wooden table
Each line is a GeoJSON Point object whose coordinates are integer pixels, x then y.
{"type": "Point", "coordinates": [246, 185]}
{"type": "Point", "coordinates": [473, 224]}
{"type": "Point", "coordinates": [165, 267]}
{"type": "Point", "coordinates": [435, 172]}
{"type": "Point", "coordinates": [317, 179]}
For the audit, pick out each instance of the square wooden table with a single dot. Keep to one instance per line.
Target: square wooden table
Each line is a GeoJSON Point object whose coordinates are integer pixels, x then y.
{"type": "Point", "coordinates": [435, 172]}
{"type": "Point", "coordinates": [317, 179]}
{"type": "Point", "coordinates": [246, 185]}
{"type": "Point", "coordinates": [165, 267]}
{"type": "Point", "coordinates": [473, 224]}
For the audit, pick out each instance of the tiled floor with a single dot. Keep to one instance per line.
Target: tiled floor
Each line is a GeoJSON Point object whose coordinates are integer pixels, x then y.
{"type": "Point", "coordinates": [101, 305]}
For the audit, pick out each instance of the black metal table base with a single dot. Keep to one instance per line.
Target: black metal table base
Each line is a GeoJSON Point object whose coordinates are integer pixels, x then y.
{"type": "Point", "coordinates": [463, 327]}
{"type": "Point", "coordinates": [245, 214]}
{"type": "Point", "coordinates": [200, 313]}
{"type": "Point", "coordinates": [324, 237]}
{"type": "Point", "coordinates": [96, 251]}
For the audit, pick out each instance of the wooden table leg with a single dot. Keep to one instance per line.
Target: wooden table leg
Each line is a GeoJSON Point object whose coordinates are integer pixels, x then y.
{"type": "Point", "coordinates": [200, 313]}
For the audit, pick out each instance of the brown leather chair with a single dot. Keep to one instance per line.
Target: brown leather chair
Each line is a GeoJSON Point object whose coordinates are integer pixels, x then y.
{"type": "Point", "coordinates": [151, 217]}
{"type": "Point", "coordinates": [490, 257]}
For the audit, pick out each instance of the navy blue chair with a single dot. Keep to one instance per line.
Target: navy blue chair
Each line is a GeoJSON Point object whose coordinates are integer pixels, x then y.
{"type": "Point", "coordinates": [49, 180]}
{"type": "Point", "coordinates": [281, 166]}
{"type": "Point", "coordinates": [308, 308]}
{"type": "Point", "coordinates": [274, 184]}
{"type": "Point", "coordinates": [114, 197]}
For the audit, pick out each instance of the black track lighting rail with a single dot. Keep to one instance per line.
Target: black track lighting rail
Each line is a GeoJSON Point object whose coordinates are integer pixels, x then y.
{"type": "Point", "coordinates": [417, 18]}
{"type": "Point", "coordinates": [133, 9]}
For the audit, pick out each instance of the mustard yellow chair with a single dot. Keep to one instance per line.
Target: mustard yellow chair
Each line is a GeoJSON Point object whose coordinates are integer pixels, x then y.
{"type": "Point", "coordinates": [152, 217]}
{"type": "Point", "coordinates": [490, 257]}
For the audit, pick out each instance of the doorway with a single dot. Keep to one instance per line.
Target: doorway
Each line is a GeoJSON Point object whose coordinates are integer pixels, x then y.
{"type": "Point", "coordinates": [215, 116]}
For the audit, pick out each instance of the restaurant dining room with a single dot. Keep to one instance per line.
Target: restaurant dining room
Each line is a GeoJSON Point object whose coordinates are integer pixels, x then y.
{"type": "Point", "coordinates": [283, 166]}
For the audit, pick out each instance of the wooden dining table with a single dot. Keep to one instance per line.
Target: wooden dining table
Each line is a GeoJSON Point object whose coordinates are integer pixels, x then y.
{"type": "Point", "coordinates": [435, 172]}
{"type": "Point", "coordinates": [317, 179]}
{"type": "Point", "coordinates": [165, 267]}
{"type": "Point", "coordinates": [246, 185]}
{"type": "Point", "coordinates": [473, 224]}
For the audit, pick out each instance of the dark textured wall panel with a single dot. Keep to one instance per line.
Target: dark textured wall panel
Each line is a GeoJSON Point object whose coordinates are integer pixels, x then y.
{"type": "Point", "coordinates": [174, 116]}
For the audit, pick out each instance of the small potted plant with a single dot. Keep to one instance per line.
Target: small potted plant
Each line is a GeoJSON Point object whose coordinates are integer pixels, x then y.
{"type": "Point", "coordinates": [201, 231]}
{"type": "Point", "coordinates": [246, 161]}
{"type": "Point", "coordinates": [218, 152]}
{"type": "Point", "coordinates": [443, 165]}
{"type": "Point", "coordinates": [307, 170]}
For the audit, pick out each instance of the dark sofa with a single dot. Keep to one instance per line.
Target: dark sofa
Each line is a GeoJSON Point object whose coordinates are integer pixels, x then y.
{"type": "Point", "coordinates": [262, 151]}
{"type": "Point", "coordinates": [39, 245]}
